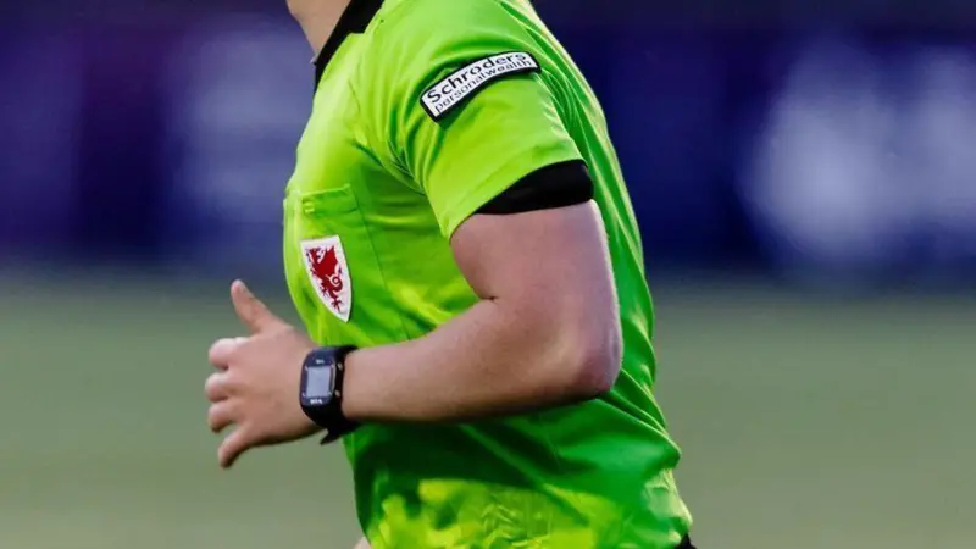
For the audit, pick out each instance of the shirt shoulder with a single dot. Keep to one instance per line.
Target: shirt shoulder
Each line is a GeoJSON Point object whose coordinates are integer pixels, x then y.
{"type": "Point", "coordinates": [463, 99]}
{"type": "Point", "coordinates": [414, 39]}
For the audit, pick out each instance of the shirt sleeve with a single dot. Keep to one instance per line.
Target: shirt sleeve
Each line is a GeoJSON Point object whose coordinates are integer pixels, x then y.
{"type": "Point", "coordinates": [464, 105]}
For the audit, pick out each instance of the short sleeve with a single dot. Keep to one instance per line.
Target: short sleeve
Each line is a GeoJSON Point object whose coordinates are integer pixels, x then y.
{"type": "Point", "coordinates": [464, 109]}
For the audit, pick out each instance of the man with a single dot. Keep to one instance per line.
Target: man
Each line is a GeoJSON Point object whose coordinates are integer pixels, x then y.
{"type": "Point", "coordinates": [463, 253]}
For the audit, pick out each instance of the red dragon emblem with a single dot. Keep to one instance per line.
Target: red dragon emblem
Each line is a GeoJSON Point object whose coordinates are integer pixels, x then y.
{"type": "Point", "coordinates": [326, 267]}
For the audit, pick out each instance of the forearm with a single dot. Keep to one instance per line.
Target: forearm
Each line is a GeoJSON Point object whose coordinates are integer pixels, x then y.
{"type": "Point", "coordinates": [492, 360]}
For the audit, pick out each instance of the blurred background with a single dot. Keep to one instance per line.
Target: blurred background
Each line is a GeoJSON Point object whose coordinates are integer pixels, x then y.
{"type": "Point", "coordinates": [805, 181]}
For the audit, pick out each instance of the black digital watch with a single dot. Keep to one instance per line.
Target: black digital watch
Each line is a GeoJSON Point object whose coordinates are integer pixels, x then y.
{"type": "Point", "coordinates": [323, 373]}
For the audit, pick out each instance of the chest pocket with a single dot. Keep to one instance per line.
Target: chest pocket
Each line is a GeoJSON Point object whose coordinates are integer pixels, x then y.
{"type": "Point", "coordinates": [337, 280]}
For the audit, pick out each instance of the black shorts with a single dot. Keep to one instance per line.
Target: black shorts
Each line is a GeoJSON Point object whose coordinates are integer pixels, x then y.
{"type": "Point", "coordinates": [685, 544]}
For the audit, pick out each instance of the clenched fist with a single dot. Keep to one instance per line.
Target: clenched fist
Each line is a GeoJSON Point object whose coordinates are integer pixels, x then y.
{"type": "Point", "coordinates": [256, 385]}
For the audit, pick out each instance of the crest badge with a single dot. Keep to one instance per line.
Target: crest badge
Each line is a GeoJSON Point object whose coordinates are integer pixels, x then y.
{"type": "Point", "coordinates": [325, 262]}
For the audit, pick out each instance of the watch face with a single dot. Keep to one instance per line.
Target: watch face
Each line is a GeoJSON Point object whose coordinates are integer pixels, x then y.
{"type": "Point", "coordinates": [319, 383]}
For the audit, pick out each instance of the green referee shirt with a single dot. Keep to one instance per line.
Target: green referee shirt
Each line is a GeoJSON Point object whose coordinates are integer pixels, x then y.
{"type": "Point", "coordinates": [425, 110]}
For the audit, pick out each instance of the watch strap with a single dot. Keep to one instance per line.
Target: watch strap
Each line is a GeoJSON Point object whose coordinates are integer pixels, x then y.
{"type": "Point", "coordinates": [337, 425]}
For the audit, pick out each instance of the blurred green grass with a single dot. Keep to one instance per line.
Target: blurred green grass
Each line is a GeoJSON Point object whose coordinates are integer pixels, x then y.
{"type": "Point", "coordinates": [807, 422]}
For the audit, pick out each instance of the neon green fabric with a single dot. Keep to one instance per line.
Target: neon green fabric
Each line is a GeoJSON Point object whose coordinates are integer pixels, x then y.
{"type": "Point", "coordinates": [378, 189]}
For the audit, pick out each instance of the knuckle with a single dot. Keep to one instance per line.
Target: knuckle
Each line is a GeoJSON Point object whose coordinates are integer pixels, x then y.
{"type": "Point", "coordinates": [213, 388]}
{"type": "Point", "coordinates": [223, 350]}
{"type": "Point", "coordinates": [212, 420]}
{"type": "Point", "coordinates": [219, 416]}
{"type": "Point", "coordinates": [216, 353]}
{"type": "Point", "coordinates": [215, 412]}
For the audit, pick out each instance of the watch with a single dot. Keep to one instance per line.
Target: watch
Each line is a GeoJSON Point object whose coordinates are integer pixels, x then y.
{"type": "Point", "coordinates": [323, 373]}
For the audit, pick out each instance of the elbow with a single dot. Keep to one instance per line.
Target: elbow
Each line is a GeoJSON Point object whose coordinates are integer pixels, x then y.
{"type": "Point", "coordinates": [595, 362]}
{"type": "Point", "coordinates": [576, 358]}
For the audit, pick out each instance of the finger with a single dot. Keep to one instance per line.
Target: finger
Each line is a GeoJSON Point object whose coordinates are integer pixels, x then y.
{"type": "Point", "coordinates": [234, 445]}
{"type": "Point", "coordinates": [223, 350]}
{"type": "Point", "coordinates": [220, 416]}
{"type": "Point", "coordinates": [217, 387]}
{"type": "Point", "coordinates": [252, 312]}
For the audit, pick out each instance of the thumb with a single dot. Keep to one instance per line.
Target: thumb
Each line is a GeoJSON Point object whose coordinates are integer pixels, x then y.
{"type": "Point", "coordinates": [233, 446]}
{"type": "Point", "coordinates": [252, 312]}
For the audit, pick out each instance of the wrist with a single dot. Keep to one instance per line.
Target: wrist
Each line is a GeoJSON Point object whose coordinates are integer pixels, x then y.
{"type": "Point", "coordinates": [355, 398]}
{"type": "Point", "coordinates": [322, 391]}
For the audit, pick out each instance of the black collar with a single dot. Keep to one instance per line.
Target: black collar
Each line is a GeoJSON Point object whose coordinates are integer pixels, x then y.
{"type": "Point", "coordinates": [354, 20]}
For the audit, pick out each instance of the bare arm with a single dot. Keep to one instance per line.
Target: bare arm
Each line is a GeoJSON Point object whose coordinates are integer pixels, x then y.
{"type": "Point", "coordinates": [546, 331]}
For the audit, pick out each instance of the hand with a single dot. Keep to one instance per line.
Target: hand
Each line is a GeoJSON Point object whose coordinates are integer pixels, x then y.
{"type": "Point", "coordinates": [256, 385]}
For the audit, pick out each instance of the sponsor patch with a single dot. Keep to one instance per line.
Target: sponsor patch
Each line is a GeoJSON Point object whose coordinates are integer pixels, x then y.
{"type": "Point", "coordinates": [325, 262]}
{"type": "Point", "coordinates": [444, 96]}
